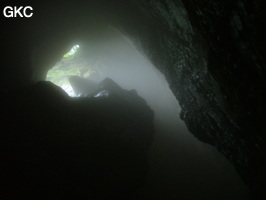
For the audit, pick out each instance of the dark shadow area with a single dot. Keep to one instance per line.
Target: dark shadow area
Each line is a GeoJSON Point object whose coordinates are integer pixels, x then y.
{"type": "Point", "coordinates": [63, 148]}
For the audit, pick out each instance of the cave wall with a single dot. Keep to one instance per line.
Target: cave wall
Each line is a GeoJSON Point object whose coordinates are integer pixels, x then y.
{"type": "Point", "coordinates": [211, 53]}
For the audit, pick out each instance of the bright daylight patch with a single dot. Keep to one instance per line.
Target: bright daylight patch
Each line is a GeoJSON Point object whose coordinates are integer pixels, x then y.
{"type": "Point", "coordinates": [68, 66]}
{"type": "Point", "coordinates": [72, 51]}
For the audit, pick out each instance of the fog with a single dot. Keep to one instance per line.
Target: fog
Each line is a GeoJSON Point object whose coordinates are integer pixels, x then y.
{"type": "Point", "coordinates": [181, 167]}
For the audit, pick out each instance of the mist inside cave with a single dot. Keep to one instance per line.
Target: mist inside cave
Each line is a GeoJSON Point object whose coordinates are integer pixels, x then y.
{"type": "Point", "coordinates": [180, 166]}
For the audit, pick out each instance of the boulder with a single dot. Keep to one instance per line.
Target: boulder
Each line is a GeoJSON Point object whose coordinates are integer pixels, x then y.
{"type": "Point", "coordinates": [58, 147]}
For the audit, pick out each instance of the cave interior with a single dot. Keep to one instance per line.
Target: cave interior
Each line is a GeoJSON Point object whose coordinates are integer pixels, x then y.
{"type": "Point", "coordinates": [136, 99]}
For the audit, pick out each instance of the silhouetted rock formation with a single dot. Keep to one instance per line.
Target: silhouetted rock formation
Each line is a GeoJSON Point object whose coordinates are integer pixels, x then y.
{"type": "Point", "coordinates": [57, 147]}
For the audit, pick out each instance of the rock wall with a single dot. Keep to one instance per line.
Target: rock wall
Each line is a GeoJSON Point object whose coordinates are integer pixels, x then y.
{"type": "Point", "coordinates": [211, 53]}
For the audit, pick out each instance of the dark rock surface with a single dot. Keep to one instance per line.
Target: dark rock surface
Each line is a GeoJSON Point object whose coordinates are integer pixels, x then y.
{"type": "Point", "coordinates": [57, 147]}
{"type": "Point", "coordinates": [215, 66]}
{"type": "Point", "coordinates": [211, 52]}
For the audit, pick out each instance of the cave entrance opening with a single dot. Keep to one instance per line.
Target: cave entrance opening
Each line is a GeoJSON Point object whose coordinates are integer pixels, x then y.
{"type": "Point", "coordinates": [177, 159]}
{"type": "Point", "coordinates": [110, 54]}
{"type": "Point", "coordinates": [66, 67]}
